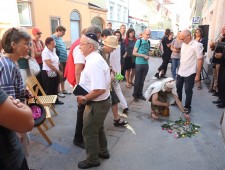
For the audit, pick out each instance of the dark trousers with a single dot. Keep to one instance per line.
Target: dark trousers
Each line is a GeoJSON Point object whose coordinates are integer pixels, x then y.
{"type": "Point", "coordinates": [141, 71]}
{"type": "Point", "coordinates": [24, 165]}
{"type": "Point", "coordinates": [79, 126]}
{"type": "Point", "coordinates": [166, 59]}
{"type": "Point", "coordinates": [93, 130]}
{"type": "Point", "coordinates": [188, 82]}
{"type": "Point", "coordinates": [40, 79]}
{"type": "Point", "coordinates": [50, 83]}
{"type": "Point", "coordinates": [221, 81]}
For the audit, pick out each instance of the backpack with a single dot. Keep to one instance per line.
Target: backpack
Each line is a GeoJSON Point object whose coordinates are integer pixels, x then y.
{"type": "Point", "coordinates": [140, 44]}
{"type": "Point", "coordinates": [161, 51]}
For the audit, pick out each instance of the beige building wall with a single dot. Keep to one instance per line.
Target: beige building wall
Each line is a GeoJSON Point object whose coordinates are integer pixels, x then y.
{"type": "Point", "coordinates": [43, 10]}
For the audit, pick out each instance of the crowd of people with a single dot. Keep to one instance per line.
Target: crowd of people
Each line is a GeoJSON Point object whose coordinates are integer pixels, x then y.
{"type": "Point", "coordinates": [93, 62]}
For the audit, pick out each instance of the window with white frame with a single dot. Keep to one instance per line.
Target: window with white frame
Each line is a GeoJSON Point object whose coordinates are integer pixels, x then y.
{"type": "Point", "coordinates": [54, 23]}
{"type": "Point", "coordinates": [124, 14]}
{"type": "Point", "coordinates": [111, 10]}
{"type": "Point", "coordinates": [118, 12]}
{"type": "Point", "coordinates": [24, 11]}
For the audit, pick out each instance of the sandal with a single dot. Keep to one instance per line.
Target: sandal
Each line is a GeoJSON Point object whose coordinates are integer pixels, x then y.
{"type": "Point", "coordinates": [128, 85]}
{"type": "Point", "coordinates": [200, 87]}
{"type": "Point", "coordinates": [132, 84]}
{"type": "Point", "coordinates": [65, 92]}
{"type": "Point", "coordinates": [120, 122]}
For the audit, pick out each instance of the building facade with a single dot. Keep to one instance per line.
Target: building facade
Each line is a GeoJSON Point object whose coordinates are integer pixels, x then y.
{"type": "Point", "coordinates": [74, 15]}
{"type": "Point", "coordinates": [160, 16]}
{"type": "Point", "coordinates": [117, 13]}
{"type": "Point", "coordinates": [8, 16]}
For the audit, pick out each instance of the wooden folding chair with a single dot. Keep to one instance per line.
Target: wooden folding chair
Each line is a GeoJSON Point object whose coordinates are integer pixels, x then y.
{"type": "Point", "coordinates": [46, 100]}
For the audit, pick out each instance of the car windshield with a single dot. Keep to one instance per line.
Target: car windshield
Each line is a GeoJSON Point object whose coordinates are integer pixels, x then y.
{"type": "Point", "coordinates": [157, 35]}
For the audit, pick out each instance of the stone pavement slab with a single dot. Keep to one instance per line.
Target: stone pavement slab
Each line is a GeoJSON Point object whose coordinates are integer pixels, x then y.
{"type": "Point", "coordinates": [142, 145]}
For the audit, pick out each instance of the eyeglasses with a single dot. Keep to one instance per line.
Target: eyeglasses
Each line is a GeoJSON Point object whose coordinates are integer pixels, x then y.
{"type": "Point", "coordinates": [39, 33]}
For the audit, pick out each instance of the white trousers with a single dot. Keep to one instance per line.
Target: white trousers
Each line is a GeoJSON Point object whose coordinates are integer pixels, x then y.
{"type": "Point", "coordinates": [119, 93]}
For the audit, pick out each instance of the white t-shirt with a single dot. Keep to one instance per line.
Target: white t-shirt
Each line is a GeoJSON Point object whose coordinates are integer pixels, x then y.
{"type": "Point", "coordinates": [188, 61]}
{"type": "Point", "coordinates": [48, 54]}
{"type": "Point", "coordinates": [96, 75]}
{"type": "Point", "coordinates": [78, 57]}
{"type": "Point", "coordinates": [114, 60]}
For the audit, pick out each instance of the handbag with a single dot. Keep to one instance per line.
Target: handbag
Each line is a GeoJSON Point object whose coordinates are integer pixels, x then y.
{"type": "Point", "coordinates": [51, 73]}
{"type": "Point", "coordinates": [34, 67]}
{"type": "Point", "coordinates": [38, 113]}
{"type": "Point", "coordinates": [165, 112]}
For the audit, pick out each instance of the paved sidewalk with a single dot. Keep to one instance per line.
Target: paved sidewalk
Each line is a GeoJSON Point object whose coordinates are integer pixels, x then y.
{"type": "Point", "coordinates": [140, 146]}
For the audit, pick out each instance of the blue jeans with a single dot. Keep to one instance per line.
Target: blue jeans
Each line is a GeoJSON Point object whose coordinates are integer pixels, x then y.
{"type": "Point", "coordinates": [175, 66]}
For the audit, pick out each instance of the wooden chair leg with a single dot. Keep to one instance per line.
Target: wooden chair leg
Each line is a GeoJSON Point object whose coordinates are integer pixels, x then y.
{"type": "Point", "coordinates": [53, 109]}
{"type": "Point", "coordinates": [44, 135]}
{"type": "Point", "coordinates": [51, 121]}
{"type": "Point", "coordinates": [45, 125]}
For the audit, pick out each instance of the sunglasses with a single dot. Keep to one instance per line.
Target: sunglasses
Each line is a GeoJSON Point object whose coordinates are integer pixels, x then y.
{"type": "Point", "coordinates": [39, 33]}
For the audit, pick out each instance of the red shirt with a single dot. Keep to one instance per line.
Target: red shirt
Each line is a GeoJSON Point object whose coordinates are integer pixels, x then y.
{"type": "Point", "coordinates": [69, 73]}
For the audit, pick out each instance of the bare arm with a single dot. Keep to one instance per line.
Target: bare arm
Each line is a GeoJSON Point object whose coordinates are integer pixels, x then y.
{"type": "Point", "coordinates": [168, 45]}
{"type": "Point", "coordinates": [124, 56]}
{"type": "Point", "coordinates": [36, 53]}
{"type": "Point", "coordinates": [78, 70]}
{"type": "Point", "coordinates": [199, 69]}
{"type": "Point", "coordinates": [49, 64]}
{"type": "Point", "coordinates": [135, 53]}
{"type": "Point", "coordinates": [92, 95]}
{"type": "Point", "coordinates": [179, 104]}
{"type": "Point", "coordinates": [158, 103]}
{"type": "Point", "coordinates": [16, 116]}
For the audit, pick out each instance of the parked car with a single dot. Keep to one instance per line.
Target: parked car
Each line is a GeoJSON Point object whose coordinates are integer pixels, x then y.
{"type": "Point", "coordinates": [155, 37]}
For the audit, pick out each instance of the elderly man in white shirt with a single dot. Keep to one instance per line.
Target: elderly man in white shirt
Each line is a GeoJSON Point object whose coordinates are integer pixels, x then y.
{"type": "Point", "coordinates": [97, 101]}
{"type": "Point", "coordinates": [191, 62]}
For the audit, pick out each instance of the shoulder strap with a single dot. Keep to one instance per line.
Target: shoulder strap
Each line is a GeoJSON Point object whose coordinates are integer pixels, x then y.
{"type": "Point", "coordinates": [139, 44]}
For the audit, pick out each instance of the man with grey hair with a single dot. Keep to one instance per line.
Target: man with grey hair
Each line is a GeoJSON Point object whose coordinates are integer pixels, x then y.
{"type": "Point", "coordinates": [191, 62]}
{"type": "Point", "coordinates": [97, 101]}
{"type": "Point", "coordinates": [95, 30]}
{"type": "Point", "coordinates": [78, 63]}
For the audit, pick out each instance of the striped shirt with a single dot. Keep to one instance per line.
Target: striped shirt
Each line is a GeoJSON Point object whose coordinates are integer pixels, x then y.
{"type": "Point", "coordinates": [10, 78]}
{"type": "Point", "coordinates": [60, 48]}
